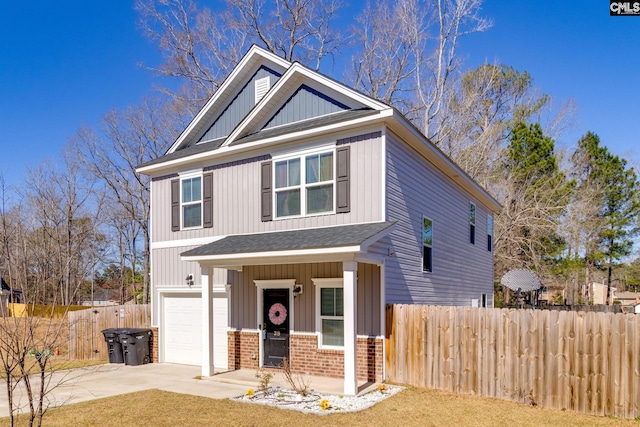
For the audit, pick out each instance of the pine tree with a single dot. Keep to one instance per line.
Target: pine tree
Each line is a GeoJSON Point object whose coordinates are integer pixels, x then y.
{"type": "Point", "coordinates": [618, 203]}
{"type": "Point", "coordinates": [535, 196]}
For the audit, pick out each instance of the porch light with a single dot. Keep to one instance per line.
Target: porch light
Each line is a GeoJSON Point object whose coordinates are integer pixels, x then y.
{"type": "Point", "coordinates": [297, 290]}
{"type": "Point", "coordinates": [189, 280]}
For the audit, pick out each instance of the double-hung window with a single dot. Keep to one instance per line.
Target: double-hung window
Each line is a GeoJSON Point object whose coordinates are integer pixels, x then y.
{"type": "Point", "coordinates": [191, 202]}
{"type": "Point", "coordinates": [427, 244]}
{"type": "Point", "coordinates": [304, 185]}
{"type": "Point", "coordinates": [330, 312]}
{"type": "Point", "coordinates": [472, 223]}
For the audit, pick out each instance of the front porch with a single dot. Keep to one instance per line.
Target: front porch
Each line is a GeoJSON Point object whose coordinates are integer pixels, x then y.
{"type": "Point", "coordinates": [314, 297]}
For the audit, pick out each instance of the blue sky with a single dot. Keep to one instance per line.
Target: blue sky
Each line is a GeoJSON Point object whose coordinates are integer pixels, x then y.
{"type": "Point", "coordinates": [65, 64]}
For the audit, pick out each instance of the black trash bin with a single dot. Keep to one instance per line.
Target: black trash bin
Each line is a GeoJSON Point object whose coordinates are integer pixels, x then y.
{"type": "Point", "coordinates": [135, 345]}
{"type": "Point", "coordinates": [112, 337]}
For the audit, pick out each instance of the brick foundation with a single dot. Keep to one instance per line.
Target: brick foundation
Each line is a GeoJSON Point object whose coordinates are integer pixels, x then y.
{"type": "Point", "coordinates": [307, 358]}
{"type": "Point", "coordinates": [154, 345]}
{"type": "Point", "coordinates": [244, 352]}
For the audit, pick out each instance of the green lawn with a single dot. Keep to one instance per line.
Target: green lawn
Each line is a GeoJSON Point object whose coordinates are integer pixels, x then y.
{"type": "Point", "coordinates": [412, 407]}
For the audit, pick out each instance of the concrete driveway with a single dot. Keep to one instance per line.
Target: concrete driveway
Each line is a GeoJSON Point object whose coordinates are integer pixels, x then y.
{"type": "Point", "coordinates": [100, 381]}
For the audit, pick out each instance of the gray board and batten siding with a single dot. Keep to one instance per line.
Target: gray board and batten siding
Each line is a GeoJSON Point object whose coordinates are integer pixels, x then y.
{"type": "Point", "coordinates": [238, 108]}
{"type": "Point", "coordinates": [461, 270]}
{"type": "Point", "coordinates": [169, 272]}
{"type": "Point", "coordinates": [305, 103]}
{"type": "Point", "coordinates": [244, 294]}
{"type": "Point", "coordinates": [237, 195]}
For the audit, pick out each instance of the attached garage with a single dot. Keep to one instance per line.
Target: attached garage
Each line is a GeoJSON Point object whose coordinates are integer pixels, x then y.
{"type": "Point", "coordinates": [182, 328]}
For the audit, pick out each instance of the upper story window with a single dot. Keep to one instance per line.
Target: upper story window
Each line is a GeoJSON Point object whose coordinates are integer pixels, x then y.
{"type": "Point", "coordinates": [304, 185]}
{"type": "Point", "coordinates": [472, 223]}
{"type": "Point", "coordinates": [427, 244]}
{"type": "Point", "coordinates": [191, 202]}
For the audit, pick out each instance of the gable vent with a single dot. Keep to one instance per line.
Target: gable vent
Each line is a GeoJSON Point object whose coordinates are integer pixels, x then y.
{"type": "Point", "coordinates": [261, 87]}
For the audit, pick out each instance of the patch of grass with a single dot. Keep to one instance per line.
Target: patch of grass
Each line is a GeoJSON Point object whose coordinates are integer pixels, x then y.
{"type": "Point", "coordinates": [412, 407]}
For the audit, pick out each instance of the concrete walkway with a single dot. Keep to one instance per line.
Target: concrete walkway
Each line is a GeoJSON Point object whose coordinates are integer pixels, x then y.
{"type": "Point", "coordinates": [95, 382]}
{"type": "Point", "coordinates": [100, 381]}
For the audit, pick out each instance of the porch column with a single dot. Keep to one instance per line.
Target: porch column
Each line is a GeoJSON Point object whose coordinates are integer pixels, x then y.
{"type": "Point", "coordinates": [350, 277]}
{"type": "Point", "coordinates": [207, 321]}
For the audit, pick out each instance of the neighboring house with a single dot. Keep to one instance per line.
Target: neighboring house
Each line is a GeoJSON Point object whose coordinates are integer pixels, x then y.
{"type": "Point", "coordinates": [103, 298]}
{"type": "Point", "coordinates": [10, 295]}
{"type": "Point", "coordinates": [290, 212]}
{"type": "Point", "coordinates": [599, 292]}
{"type": "Point", "coordinates": [628, 299]}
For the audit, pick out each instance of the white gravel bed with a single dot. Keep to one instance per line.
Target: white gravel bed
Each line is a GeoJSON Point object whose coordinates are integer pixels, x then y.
{"type": "Point", "coordinates": [318, 403]}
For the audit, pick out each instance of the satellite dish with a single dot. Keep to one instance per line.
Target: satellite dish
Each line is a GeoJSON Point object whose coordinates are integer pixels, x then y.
{"type": "Point", "coordinates": [521, 280]}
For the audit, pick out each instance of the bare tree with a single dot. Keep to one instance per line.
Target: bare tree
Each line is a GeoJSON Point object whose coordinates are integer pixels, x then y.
{"type": "Point", "coordinates": [42, 255]}
{"type": "Point", "coordinates": [128, 139]}
{"type": "Point", "coordinates": [383, 65]}
{"type": "Point", "coordinates": [535, 194]}
{"type": "Point", "coordinates": [201, 47]}
{"type": "Point", "coordinates": [416, 55]}
{"type": "Point", "coordinates": [486, 104]}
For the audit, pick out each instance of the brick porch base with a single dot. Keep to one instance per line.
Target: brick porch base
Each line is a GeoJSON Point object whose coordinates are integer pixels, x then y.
{"type": "Point", "coordinates": [307, 358]}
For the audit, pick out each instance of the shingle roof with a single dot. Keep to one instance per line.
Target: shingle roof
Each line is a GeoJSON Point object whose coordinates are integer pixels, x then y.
{"type": "Point", "coordinates": [186, 152]}
{"type": "Point", "coordinates": [314, 238]}
{"type": "Point", "coordinates": [306, 124]}
{"type": "Point", "coordinates": [263, 134]}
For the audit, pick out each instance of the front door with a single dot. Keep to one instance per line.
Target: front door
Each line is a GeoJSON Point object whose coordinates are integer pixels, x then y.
{"type": "Point", "coordinates": [276, 324]}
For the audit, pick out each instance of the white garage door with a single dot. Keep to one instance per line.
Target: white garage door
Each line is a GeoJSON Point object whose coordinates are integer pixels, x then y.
{"type": "Point", "coordinates": [183, 329]}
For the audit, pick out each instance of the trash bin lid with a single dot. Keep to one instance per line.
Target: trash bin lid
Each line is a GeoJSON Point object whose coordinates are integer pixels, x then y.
{"type": "Point", "coordinates": [133, 331]}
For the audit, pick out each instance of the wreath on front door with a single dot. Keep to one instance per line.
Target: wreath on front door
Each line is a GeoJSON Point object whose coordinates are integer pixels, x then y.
{"type": "Point", "coordinates": [277, 314]}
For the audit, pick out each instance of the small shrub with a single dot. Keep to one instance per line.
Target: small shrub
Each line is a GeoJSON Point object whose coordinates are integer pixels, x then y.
{"type": "Point", "coordinates": [297, 382]}
{"type": "Point", "coordinates": [264, 378]}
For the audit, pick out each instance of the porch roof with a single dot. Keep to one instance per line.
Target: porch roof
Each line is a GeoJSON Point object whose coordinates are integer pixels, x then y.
{"type": "Point", "coordinates": [327, 242]}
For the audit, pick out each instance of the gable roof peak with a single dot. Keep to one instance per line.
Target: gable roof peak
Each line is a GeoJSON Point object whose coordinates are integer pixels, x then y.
{"type": "Point", "coordinates": [255, 57]}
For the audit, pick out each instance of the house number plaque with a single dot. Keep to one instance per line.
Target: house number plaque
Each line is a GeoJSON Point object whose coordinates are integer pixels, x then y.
{"type": "Point", "coordinates": [276, 333]}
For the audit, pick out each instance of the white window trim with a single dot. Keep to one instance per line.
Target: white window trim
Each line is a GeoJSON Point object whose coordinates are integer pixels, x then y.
{"type": "Point", "coordinates": [272, 284]}
{"type": "Point", "coordinates": [423, 245]}
{"type": "Point", "coordinates": [326, 283]}
{"type": "Point", "coordinates": [191, 175]}
{"type": "Point", "coordinates": [302, 156]}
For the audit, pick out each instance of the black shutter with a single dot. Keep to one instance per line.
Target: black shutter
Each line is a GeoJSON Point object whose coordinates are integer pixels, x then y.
{"type": "Point", "coordinates": [343, 188]}
{"type": "Point", "coordinates": [207, 200]}
{"type": "Point", "coordinates": [266, 197]}
{"type": "Point", "coordinates": [175, 205]}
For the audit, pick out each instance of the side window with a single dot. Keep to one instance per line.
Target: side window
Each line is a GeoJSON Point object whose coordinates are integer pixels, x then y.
{"type": "Point", "coordinates": [191, 202]}
{"type": "Point", "coordinates": [330, 312]}
{"type": "Point", "coordinates": [427, 244]}
{"type": "Point", "coordinates": [489, 232]}
{"type": "Point", "coordinates": [472, 223]}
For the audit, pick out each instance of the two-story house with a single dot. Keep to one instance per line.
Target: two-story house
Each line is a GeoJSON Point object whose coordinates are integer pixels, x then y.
{"type": "Point", "coordinates": [290, 212]}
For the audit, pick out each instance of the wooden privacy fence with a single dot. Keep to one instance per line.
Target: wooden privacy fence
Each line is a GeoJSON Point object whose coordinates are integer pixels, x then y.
{"type": "Point", "coordinates": [586, 362]}
{"type": "Point", "coordinates": [86, 341]}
